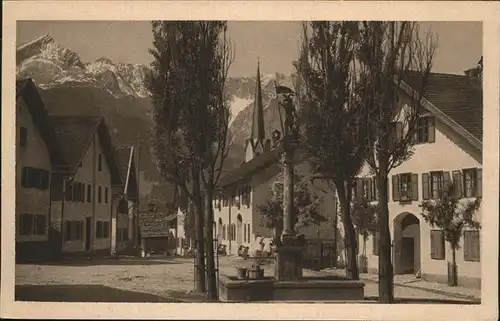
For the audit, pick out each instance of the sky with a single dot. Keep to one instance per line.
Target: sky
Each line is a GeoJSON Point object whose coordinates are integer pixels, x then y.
{"type": "Point", "coordinates": [275, 44]}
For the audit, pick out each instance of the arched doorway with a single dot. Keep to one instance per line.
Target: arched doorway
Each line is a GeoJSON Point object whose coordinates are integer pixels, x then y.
{"type": "Point", "coordinates": [239, 229]}
{"type": "Point", "coordinates": [406, 251]}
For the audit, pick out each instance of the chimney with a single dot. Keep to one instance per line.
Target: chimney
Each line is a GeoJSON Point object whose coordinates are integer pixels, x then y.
{"type": "Point", "coordinates": [476, 72]}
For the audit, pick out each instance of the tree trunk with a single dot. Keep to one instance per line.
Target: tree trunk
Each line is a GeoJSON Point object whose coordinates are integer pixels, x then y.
{"type": "Point", "coordinates": [385, 270]}
{"type": "Point", "coordinates": [351, 262]}
{"type": "Point", "coordinates": [454, 264]}
{"type": "Point", "coordinates": [198, 227]}
{"type": "Point", "coordinates": [209, 242]}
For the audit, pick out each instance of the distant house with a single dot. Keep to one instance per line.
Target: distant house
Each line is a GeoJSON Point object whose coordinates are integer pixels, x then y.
{"type": "Point", "coordinates": [127, 232]}
{"type": "Point", "coordinates": [84, 195]}
{"type": "Point", "coordinates": [38, 152]}
{"type": "Point", "coordinates": [155, 233]}
{"type": "Point", "coordinates": [448, 150]}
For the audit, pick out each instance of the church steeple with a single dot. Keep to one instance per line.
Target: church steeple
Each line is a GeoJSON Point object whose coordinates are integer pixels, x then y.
{"type": "Point", "coordinates": [258, 112]}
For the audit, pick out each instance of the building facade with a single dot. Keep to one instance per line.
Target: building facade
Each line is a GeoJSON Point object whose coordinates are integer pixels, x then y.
{"type": "Point", "coordinates": [84, 198]}
{"type": "Point", "coordinates": [447, 151]}
{"type": "Point", "coordinates": [37, 152]}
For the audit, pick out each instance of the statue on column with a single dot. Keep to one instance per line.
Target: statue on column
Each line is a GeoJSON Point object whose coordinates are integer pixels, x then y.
{"type": "Point", "coordinates": [285, 99]}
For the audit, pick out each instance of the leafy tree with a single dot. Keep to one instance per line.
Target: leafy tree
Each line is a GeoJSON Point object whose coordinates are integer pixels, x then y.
{"type": "Point", "coordinates": [365, 218]}
{"type": "Point", "coordinates": [388, 53]}
{"type": "Point", "coordinates": [331, 116]}
{"type": "Point", "coordinates": [452, 216]}
{"type": "Point", "coordinates": [305, 205]}
{"type": "Point", "coordinates": [191, 117]}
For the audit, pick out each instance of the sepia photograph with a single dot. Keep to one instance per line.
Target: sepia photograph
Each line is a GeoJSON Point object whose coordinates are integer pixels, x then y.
{"type": "Point", "coordinates": [227, 161]}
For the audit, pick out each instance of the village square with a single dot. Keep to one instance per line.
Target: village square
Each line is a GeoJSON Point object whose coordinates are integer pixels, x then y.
{"type": "Point", "coordinates": [352, 174]}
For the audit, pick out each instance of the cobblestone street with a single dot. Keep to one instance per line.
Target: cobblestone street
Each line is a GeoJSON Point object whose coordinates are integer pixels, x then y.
{"type": "Point", "coordinates": [148, 280]}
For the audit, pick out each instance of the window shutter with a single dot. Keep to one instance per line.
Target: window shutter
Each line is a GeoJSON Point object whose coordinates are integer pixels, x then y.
{"type": "Point", "coordinates": [477, 246]}
{"type": "Point", "coordinates": [395, 187]}
{"type": "Point", "coordinates": [414, 187]}
{"type": "Point", "coordinates": [376, 241]}
{"type": "Point", "coordinates": [479, 183]}
{"type": "Point", "coordinates": [375, 188]}
{"type": "Point", "coordinates": [433, 245]}
{"type": "Point", "coordinates": [24, 177]}
{"type": "Point", "coordinates": [368, 182]}
{"type": "Point", "coordinates": [359, 187]}
{"type": "Point", "coordinates": [437, 245]}
{"type": "Point", "coordinates": [446, 183]}
{"type": "Point", "coordinates": [425, 186]}
{"type": "Point", "coordinates": [432, 129]}
{"type": "Point", "coordinates": [457, 184]}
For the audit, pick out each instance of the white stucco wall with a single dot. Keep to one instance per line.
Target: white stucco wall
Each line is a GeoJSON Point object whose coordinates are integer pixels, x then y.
{"type": "Point", "coordinates": [79, 211]}
{"type": "Point", "coordinates": [35, 154]}
{"type": "Point", "coordinates": [449, 152]}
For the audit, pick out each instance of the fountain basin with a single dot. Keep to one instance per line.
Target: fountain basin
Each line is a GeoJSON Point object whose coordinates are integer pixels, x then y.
{"type": "Point", "coordinates": [317, 288]}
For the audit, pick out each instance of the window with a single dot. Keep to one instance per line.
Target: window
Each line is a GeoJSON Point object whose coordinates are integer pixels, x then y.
{"type": "Point", "coordinates": [125, 234]}
{"type": "Point", "coordinates": [119, 232]}
{"type": "Point", "coordinates": [105, 232]}
{"type": "Point", "coordinates": [223, 232]}
{"type": "Point", "coordinates": [225, 201]}
{"type": "Point", "coordinates": [99, 229]}
{"type": "Point", "coordinates": [23, 136]}
{"type": "Point", "coordinates": [244, 232]}
{"type": "Point", "coordinates": [438, 184]}
{"type": "Point", "coordinates": [89, 193]}
{"type": "Point", "coordinates": [249, 232]}
{"type": "Point", "coordinates": [434, 184]}
{"type": "Point", "coordinates": [26, 225]}
{"type": "Point", "coordinates": [376, 240]}
{"type": "Point", "coordinates": [425, 130]}
{"type": "Point", "coordinates": [40, 224]}
{"type": "Point", "coordinates": [106, 195]}
{"type": "Point", "coordinates": [99, 196]}
{"type": "Point", "coordinates": [470, 182]}
{"type": "Point", "coordinates": [472, 252]}
{"type": "Point", "coordinates": [405, 187]}
{"type": "Point", "coordinates": [73, 230]}
{"type": "Point", "coordinates": [99, 163]}
{"type": "Point", "coordinates": [437, 245]}
{"type": "Point", "coordinates": [67, 230]}
{"type": "Point", "coordinates": [35, 178]}
{"type": "Point", "coordinates": [374, 188]}
{"type": "Point", "coordinates": [32, 224]}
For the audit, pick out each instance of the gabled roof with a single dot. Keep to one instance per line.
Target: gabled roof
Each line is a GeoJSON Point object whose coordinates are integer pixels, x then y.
{"type": "Point", "coordinates": [76, 133]}
{"type": "Point", "coordinates": [458, 99]}
{"type": "Point", "coordinates": [252, 166]}
{"type": "Point", "coordinates": [26, 89]}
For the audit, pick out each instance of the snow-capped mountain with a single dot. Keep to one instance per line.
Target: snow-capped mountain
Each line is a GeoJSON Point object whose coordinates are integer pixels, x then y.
{"type": "Point", "coordinates": [116, 90]}
{"type": "Point", "coordinates": [51, 65]}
